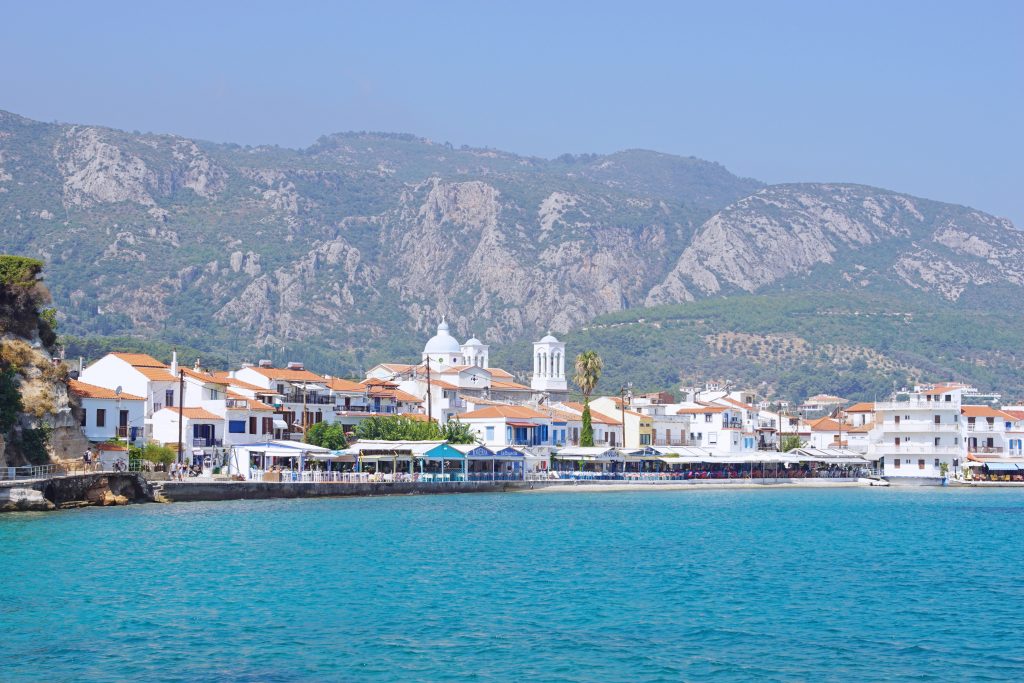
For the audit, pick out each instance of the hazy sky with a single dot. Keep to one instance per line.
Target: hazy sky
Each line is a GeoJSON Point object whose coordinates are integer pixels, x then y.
{"type": "Point", "coordinates": [921, 97]}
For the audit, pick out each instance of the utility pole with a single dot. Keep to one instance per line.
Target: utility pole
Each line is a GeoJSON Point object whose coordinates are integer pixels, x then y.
{"type": "Point", "coordinates": [181, 411]}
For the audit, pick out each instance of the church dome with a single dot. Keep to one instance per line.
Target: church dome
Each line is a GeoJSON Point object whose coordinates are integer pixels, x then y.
{"type": "Point", "coordinates": [549, 339]}
{"type": "Point", "coordinates": [442, 342]}
{"type": "Point", "coordinates": [473, 341]}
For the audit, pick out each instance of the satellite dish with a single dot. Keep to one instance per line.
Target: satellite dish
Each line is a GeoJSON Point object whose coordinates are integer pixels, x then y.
{"type": "Point", "coordinates": [117, 391]}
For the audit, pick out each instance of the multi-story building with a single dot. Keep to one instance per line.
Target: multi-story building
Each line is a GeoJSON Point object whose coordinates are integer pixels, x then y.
{"type": "Point", "coordinates": [108, 414]}
{"type": "Point", "coordinates": [919, 438]}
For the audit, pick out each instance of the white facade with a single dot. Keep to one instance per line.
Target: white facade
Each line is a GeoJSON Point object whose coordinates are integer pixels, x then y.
{"type": "Point", "coordinates": [920, 437]}
{"type": "Point", "coordinates": [109, 418]}
{"type": "Point", "coordinates": [549, 365]}
{"type": "Point", "coordinates": [442, 350]}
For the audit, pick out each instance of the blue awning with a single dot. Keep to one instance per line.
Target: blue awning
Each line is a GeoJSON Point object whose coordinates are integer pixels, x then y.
{"type": "Point", "coordinates": [1002, 466]}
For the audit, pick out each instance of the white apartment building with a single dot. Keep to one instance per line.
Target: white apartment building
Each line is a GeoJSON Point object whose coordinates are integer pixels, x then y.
{"type": "Point", "coordinates": [920, 438]}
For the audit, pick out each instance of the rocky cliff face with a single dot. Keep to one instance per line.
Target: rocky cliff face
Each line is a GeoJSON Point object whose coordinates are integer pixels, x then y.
{"type": "Point", "coordinates": [358, 244]}
{"type": "Point", "coordinates": [37, 412]}
{"type": "Point", "coordinates": [869, 235]}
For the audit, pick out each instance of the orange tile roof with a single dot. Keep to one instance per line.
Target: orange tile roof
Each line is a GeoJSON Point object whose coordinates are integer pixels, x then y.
{"type": "Point", "coordinates": [940, 389]}
{"type": "Point", "coordinates": [508, 385]}
{"type": "Point", "coordinates": [981, 411]}
{"type": "Point", "coordinates": [862, 429]}
{"type": "Point", "coordinates": [595, 416]}
{"type": "Point", "coordinates": [738, 404]}
{"type": "Point", "coordinates": [193, 413]}
{"type": "Point", "coordinates": [207, 377]}
{"type": "Point", "coordinates": [239, 384]}
{"type": "Point", "coordinates": [701, 410]}
{"type": "Point", "coordinates": [406, 397]}
{"type": "Point", "coordinates": [139, 360]}
{"type": "Point", "coordinates": [1015, 414]}
{"type": "Point", "coordinates": [92, 391]}
{"type": "Point", "coordinates": [339, 384]}
{"type": "Point", "coordinates": [286, 375]}
{"type": "Point", "coordinates": [156, 374]}
{"type": "Point", "coordinates": [441, 383]}
{"type": "Point", "coordinates": [825, 424]}
{"type": "Point", "coordinates": [494, 412]}
{"type": "Point", "coordinates": [498, 372]}
{"type": "Point", "coordinates": [861, 408]}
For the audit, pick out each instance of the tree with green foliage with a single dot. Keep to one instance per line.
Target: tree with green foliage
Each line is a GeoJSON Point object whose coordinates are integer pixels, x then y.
{"type": "Point", "coordinates": [327, 435]}
{"type": "Point", "coordinates": [458, 432]}
{"type": "Point", "coordinates": [151, 452]}
{"type": "Point", "coordinates": [10, 399]}
{"type": "Point", "coordinates": [588, 373]}
{"type": "Point", "coordinates": [790, 442]}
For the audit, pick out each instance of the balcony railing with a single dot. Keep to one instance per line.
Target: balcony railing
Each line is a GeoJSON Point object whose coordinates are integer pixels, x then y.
{"type": "Point", "coordinates": [984, 449]}
{"type": "Point", "coordinates": [669, 442]}
{"type": "Point", "coordinates": [199, 442]}
{"type": "Point", "coordinates": [122, 432]}
{"type": "Point", "coordinates": [981, 427]}
{"type": "Point", "coordinates": [920, 426]}
{"type": "Point", "coordinates": [915, 448]}
{"type": "Point", "coordinates": [237, 403]}
{"type": "Point", "coordinates": [917, 404]}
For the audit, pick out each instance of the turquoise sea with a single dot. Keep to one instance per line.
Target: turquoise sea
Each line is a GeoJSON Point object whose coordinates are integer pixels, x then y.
{"type": "Point", "coordinates": [736, 585]}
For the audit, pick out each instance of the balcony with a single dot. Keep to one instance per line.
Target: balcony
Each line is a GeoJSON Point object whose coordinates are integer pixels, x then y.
{"type": "Point", "coordinates": [915, 449]}
{"type": "Point", "coordinates": [669, 442]}
{"type": "Point", "coordinates": [984, 449]}
{"type": "Point", "coordinates": [917, 404]}
{"type": "Point", "coordinates": [199, 442]}
{"type": "Point", "coordinates": [982, 427]}
{"type": "Point", "coordinates": [920, 426]}
{"type": "Point", "coordinates": [236, 404]}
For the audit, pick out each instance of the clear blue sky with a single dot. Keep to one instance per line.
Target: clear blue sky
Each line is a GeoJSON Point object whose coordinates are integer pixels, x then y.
{"type": "Point", "coordinates": [921, 97]}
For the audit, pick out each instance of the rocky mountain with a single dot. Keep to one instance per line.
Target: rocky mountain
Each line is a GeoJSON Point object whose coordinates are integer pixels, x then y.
{"type": "Point", "coordinates": [349, 251]}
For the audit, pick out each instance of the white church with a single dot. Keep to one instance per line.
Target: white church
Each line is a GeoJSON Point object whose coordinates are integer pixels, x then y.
{"type": "Point", "coordinates": [461, 372]}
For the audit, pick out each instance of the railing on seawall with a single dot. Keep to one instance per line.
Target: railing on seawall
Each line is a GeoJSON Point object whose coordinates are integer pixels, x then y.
{"type": "Point", "coordinates": [29, 472]}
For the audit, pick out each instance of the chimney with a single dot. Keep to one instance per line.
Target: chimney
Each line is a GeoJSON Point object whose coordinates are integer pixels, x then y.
{"type": "Point", "coordinates": [197, 367]}
{"type": "Point", "coordinates": [174, 362]}
{"type": "Point", "coordinates": [295, 366]}
{"type": "Point", "coordinates": [81, 365]}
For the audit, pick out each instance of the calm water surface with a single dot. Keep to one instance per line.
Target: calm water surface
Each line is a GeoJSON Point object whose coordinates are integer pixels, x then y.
{"type": "Point", "coordinates": [844, 585]}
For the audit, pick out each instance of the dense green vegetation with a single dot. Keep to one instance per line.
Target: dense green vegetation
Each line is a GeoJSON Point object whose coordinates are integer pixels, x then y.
{"type": "Point", "coordinates": [399, 428]}
{"type": "Point", "coordinates": [327, 435]}
{"type": "Point", "coordinates": [18, 270]}
{"type": "Point", "coordinates": [794, 345]}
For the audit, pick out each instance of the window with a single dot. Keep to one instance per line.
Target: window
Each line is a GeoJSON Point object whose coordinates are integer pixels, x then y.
{"type": "Point", "coordinates": [938, 419]}
{"type": "Point", "coordinates": [489, 434]}
{"type": "Point", "coordinates": [236, 426]}
{"type": "Point", "coordinates": [214, 395]}
{"type": "Point", "coordinates": [707, 417]}
{"type": "Point", "coordinates": [896, 463]}
{"type": "Point", "coordinates": [949, 398]}
{"type": "Point", "coordinates": [712, 438]}
{"type": "Point", "coordinates": [936, 463]}
{"type": "Point", "coordinates": [169, 398]}
{"type": "Point", "coordinates": [920, 464]}
{"type": "Point", "coordinates": [268, 425]}
{"type": "Point", "coordinates": [85, 414]}
{"type": "Point", "coordinates": [101, 417]}
{"type": "Point", "coordinates": [938, 440]}
{"type": "Point", "coordinates": [252, 425]}
{"type": "Point", "coordinates": [645, 439]}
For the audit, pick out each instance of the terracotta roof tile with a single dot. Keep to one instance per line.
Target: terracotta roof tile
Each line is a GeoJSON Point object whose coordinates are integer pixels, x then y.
{"type": "Point", "coordinates": [92, 391]}
{"type": "Point", "coordinates": [139, 360]}
{"type": "Point", "coordinates": [193, 413]}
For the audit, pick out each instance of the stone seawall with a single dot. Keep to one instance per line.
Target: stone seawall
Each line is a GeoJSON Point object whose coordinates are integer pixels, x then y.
{"type": "Point", "coordinates": [194, 491]}
{"type": "Point", "coordinates": [99, 488]}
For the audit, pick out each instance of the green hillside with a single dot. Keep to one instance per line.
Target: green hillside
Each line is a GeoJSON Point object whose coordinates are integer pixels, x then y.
{"type": "Point", "coordinates": [792, 346]}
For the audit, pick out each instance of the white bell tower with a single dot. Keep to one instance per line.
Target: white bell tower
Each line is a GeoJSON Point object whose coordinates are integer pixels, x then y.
{"type": "Point", "coordinates": [475, 352]}
{"type": "Point", "coordinates": [549, 365]}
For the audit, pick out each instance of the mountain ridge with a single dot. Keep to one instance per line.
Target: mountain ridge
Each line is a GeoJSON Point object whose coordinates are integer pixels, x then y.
{"type": "Point", "coordinates": [350, 249]}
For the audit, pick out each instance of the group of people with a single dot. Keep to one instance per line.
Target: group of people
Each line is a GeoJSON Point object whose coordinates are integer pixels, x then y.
{"type": "Point", "coordinates": [179, 471]}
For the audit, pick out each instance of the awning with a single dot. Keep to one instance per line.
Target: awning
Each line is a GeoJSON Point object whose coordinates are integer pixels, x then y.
{"type": "Point", "coordinates": [280, 424]}
{"type": "Point", "coordinates": [1002, 466]}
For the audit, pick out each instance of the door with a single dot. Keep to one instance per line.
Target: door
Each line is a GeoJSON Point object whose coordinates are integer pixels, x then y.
{"type": "Point", "coordinates": [122, 424]}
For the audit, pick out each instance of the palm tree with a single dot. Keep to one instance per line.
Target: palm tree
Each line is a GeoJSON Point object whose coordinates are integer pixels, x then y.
{"type": "Point", "coordinates": [588, 373]}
